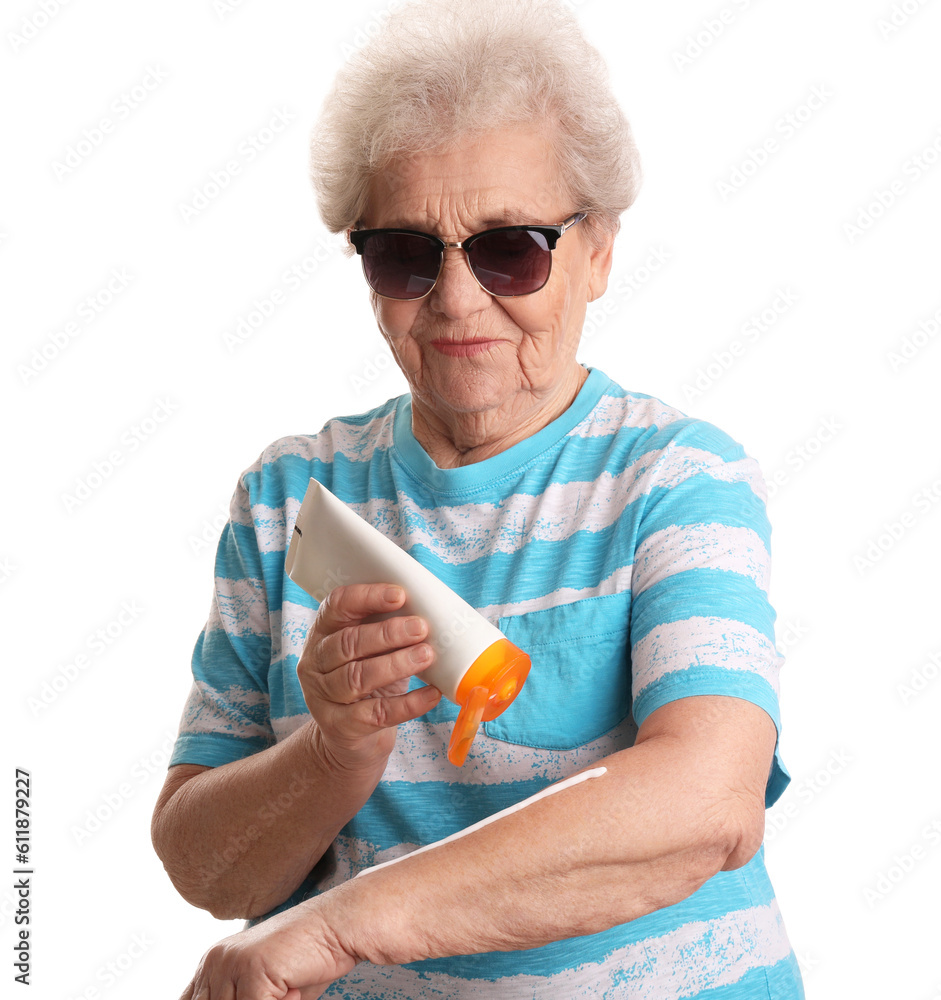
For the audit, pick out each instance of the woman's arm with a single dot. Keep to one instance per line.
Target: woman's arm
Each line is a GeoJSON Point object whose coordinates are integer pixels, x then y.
{"type": "Point", "coordinates": [238, 839]}
{"type": "Point", "coordinates": [684, 803]}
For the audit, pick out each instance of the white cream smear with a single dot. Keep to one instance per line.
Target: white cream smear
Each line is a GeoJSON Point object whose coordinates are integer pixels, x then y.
{"type": "Point", "coordinates": [559, 786]}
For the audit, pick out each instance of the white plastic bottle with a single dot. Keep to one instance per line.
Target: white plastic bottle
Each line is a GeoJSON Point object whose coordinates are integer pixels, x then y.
{"type": "Point", "coordinates": [475, 665]}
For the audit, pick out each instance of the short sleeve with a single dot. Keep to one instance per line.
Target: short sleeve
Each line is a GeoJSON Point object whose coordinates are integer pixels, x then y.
{"type": "Point", "coordinates": [701, 620]}
{"type": "Point", "coordinates": [226, 716]}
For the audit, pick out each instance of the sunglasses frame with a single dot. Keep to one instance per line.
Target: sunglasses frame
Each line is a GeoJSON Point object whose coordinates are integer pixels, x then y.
{"type": "Point", "coordinates": [358, 237]}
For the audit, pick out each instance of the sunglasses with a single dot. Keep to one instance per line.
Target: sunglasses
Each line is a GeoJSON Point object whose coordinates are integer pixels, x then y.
{"type": "Point", "coordinates": [511, 260]}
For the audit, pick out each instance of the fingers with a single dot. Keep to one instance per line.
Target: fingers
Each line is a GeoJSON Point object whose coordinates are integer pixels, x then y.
{"type": "Point", "coordinates": [344, 663]}
{"type": "Point", "coordinates": [354, 674]}
{"type": "Point", "coordinates": [373, 714]}
{"type": "Point", "coordinates": [351, 604]}
{"type": "Point", "coordinates": [359, 642]}
{"type": "Point", "coordinates": [358, 661]}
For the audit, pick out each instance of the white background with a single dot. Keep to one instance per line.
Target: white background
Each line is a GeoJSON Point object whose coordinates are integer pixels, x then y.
{"type": "Point", "coordinates": [850, 434]}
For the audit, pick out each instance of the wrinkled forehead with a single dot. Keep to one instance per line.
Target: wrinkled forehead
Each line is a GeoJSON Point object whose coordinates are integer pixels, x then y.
{"type": "Point", "coordinates": [503, 178]}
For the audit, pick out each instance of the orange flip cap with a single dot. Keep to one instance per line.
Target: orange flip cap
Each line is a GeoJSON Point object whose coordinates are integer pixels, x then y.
{"type": "Point", "coordinates": [488, 688]}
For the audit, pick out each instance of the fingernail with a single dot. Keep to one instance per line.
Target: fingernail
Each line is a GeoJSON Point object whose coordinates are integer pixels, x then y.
{"type": "Point", "coordinates": [418, 654]}
{"type": "Point", "coordinates": [430, 693]}
{"type": "Point", "coordinates": [414, 626]}
{"type": "Point", "coordinates": [391, 594]}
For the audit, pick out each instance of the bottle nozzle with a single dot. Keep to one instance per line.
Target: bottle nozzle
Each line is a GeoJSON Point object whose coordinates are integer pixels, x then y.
{"type": "Point", "coordinates": [465, 728]}
{"type": "Point", "coordinates": [491, 683]}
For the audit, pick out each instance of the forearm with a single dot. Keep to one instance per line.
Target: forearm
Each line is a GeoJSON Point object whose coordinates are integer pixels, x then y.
{"type": "Point", "coordinates": [238, 839]}
{"type": "Point", "coordinates": [644, 836]}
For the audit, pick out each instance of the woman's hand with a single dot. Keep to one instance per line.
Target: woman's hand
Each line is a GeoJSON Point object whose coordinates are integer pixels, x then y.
{"type": "Point", "coordinates": [291, 956]}
{"type": "Point", "coordinates": [355, 675]}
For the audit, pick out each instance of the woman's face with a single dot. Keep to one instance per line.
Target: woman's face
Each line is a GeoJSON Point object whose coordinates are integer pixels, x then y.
{"type": "Point", "coordinates": [462, 350]}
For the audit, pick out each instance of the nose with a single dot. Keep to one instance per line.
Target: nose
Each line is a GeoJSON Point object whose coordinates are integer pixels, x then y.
{"type": "Point", "coordinates": [456, 293]}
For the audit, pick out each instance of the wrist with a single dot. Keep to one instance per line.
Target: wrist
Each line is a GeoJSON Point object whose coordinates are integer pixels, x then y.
{"type": "Point", "coordinates": [345, 760]}
{"type": "Point", "coordinates": [370, 923]}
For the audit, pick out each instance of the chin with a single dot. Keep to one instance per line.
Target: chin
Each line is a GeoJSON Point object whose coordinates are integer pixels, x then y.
{"type": "Point", "coordinates": [467, 390]}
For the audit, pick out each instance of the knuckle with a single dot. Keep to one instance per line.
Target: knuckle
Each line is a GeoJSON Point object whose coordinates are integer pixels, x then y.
{"type": "Point", "coordinates": [392, 631]}
{"type": "Point", "coordinates": [356, 678]}
{"type": "Point", "coordinates": [379, 715]}
{"type": "Point", "coordinates": [307, 668]}
{"type": "Point", "coordinates": [330, 611]}
{"type": "Point", "coordinates": [346, 643]}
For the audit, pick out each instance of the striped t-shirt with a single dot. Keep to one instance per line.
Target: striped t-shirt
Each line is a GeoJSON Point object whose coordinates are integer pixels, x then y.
{"type": "Point", "coordinates": [625, 547]}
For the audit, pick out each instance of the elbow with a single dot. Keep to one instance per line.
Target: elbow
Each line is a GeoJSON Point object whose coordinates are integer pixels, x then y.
{"type": "Point", "coordinates": [224, 905]}
{"type": "Point", "coordinates": [740, 834]}
{"type": "Point", "coordinates": [209, 891]}
{"type": "Point", "coordinates": [230, 909]}
{"type": "Point", "coordinates": [206, 888]}
{"type": "Point", "coordinates": [716, 841]}
{"type": "Point", "coordinates": [725, 839]}
{"type": "Point", "coordinates": [212, 894]}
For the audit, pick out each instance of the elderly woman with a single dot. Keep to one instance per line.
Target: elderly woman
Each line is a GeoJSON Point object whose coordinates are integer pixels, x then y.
{"type": "Point", "coordinates": [481, 164]}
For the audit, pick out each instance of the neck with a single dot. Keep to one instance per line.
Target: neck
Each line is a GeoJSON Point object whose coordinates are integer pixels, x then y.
{"type": "Point", "coordinates": [453, 439]}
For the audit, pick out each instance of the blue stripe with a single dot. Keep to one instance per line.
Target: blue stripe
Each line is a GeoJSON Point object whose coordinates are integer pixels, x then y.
{"type": "Point", "coordinates": [702, 499]}
{"type": "Point", "coordinates": [704, 592]}
{"type": "Point", "coordinates": [225, 660]}
{"type": "Point", "coordinates": [287, 698]}
{"type": "Point", "coordinates": [237, 556]}
{"type": "Point", "coordinates": [781, 981]}
{"type": "Point", "coordinates": [286, 476]}
{"type": "Point", "coordinates": [214, 749]}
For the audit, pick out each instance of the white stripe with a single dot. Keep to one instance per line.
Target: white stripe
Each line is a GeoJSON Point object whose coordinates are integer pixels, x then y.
{"type": "Point", "coordinates": [615, 583]}
{"type": "Point", "coordinates": [284, 726]}
{"type": "Point", "coordinates": [615, 412]}
{"type": "Point", "coordinates": [715, 546]}
{"type": "Point", "coordinates": [240, 607]}
{"type": "Point", "coordinates": [273, 525]}
{"type": "Point", "coordinates": [703, 641]}
{"type": "Point", "coordinates": [304, 446]}
{"type": "Point", "coordinates": [744, 470]}
{"type": "Point", "coordinates": [229, 712]}
{"type": "Point", "coordinates": [359, 442]}
{"type": "Point", "coordinates": [288, 634]}
{"type": "Point", "coordinates": [492, 761]}
{"type": "Point", "coordinates": [240, 511]}
{"type": "Point", "coordinates": [698, 956]}
{"type": "Point", "coordinates": [356, 442]}
{"type": "Point", "coordinates": [671, 466]}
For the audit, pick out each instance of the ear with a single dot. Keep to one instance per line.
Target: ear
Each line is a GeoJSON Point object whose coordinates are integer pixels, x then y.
{"type": "Point", "coordinates": [600, 267]}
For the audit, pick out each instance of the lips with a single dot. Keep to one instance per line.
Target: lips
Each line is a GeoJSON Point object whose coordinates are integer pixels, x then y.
{"type": "Point", "coordinates": [463, 348]}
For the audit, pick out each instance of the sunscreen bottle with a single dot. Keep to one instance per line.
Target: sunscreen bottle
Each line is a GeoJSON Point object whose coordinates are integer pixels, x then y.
{"type": "Point", "coordinates": [475, 665]}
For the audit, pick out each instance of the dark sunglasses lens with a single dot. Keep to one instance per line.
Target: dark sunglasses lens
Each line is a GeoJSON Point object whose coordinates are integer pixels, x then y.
{"type": "Point", "coordinates": [514, 262]}
{"type": "Point", "coordinates": [401, 265]}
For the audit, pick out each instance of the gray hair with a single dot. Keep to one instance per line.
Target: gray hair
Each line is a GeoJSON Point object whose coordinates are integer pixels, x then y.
{"type": "Point", "coordinates": [440, 71]}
